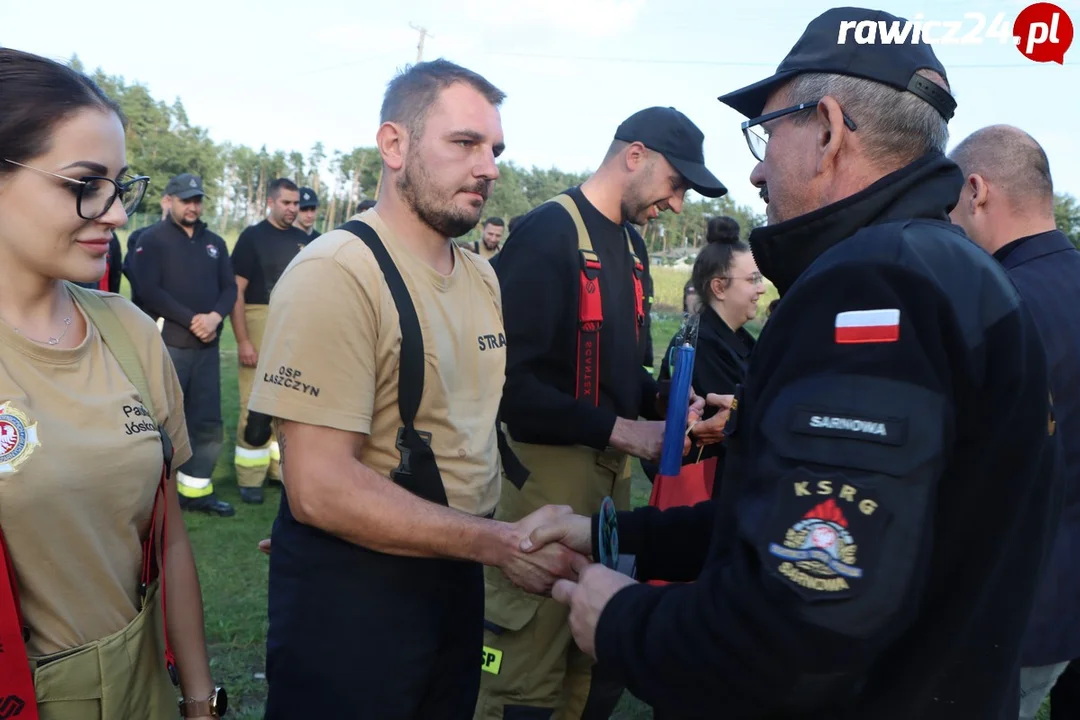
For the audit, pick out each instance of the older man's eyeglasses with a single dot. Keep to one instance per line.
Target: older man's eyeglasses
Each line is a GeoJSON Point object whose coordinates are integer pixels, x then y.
{"type": "Point", "coordinates": [758, 140]}
{"type": "Point", "coordinates": [94, 194]}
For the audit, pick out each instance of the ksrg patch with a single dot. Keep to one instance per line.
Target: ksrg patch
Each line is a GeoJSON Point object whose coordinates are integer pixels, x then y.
{"type": "Point", "coordinates": [825, 535]}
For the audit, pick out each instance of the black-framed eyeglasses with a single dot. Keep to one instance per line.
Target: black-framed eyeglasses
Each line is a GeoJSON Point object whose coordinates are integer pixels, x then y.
{"type": "Point", "coordinates": [759, 143]}
{"type": "Point", "coordinates": [96, 194]}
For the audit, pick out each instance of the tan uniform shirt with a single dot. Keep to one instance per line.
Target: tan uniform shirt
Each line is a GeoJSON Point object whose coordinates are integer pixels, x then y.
{"type": "Point", "coordinates": [80, 461]}
{"type": "Point", "coordinates": [331, 348]}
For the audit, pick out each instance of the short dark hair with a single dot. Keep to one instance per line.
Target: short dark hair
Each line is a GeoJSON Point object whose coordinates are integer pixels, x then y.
{"type": "Point", "coordinates": [412, 92]}
{"type": "Point", "coordinates": [38, 94]}
{"type": "Point", "coordinates": [496, 221]}
{"type": "Point", "coordinates": [513, 221]}
{"type": "Point", "coordinates": [281, 184]}
{"type": "Point", "coordinates": [365, 205]}
{"type": "Point", "coordinates": [1011, 159]}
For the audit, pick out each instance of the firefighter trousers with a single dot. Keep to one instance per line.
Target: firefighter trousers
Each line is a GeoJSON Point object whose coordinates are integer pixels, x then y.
{"type": "Point", "coordinates": [532, 666]}
{"type": "Point", "coordinates": [254, 464]}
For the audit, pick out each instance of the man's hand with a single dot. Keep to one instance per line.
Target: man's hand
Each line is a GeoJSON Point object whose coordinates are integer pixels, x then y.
{"type": "Point", "coordinates": [710, 431]}
{"type": "Point", "coordinates": [573, 531]}
{"type": "Point", "coordinates": [204, 326]}
{"type": "Point", "coordinates": [264, 545]}
{"type": "Point", "coordinates": [639, 438]}
{"type": "Point", "coordinates": [246, 352]}
{"type": "Point", "coordinates": [537, 571]}
{"type": "Point", "coordinates": [587, 599]}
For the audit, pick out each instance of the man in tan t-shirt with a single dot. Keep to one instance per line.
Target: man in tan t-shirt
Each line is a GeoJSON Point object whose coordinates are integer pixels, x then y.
{"type": "Point", "coordinates": [491, 237]}
{"type": "Point", "coordinates": [376, 584]}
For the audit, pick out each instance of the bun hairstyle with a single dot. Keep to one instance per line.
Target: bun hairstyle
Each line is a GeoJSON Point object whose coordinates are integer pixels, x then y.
{"type": "Point", "coordinates": [723, 230]}
{"type": "Point", "coordinates": [715, 259]}
{"type": "Point", "coordinates": [37, 94]}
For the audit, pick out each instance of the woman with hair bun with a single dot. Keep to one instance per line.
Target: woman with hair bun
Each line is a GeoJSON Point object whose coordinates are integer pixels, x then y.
{"type": "Point", "coordinates": [90, 413]}
{"type": "Point", "coordinates": [729, 285]}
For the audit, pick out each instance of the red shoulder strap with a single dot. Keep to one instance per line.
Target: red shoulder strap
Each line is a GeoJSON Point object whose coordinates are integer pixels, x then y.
{"type": "Point", "coordinates": [590, 320]}
{"type": "Point", "coordinates": [17, 697]}
{"type": "Point", "coordinates": [153, 560]}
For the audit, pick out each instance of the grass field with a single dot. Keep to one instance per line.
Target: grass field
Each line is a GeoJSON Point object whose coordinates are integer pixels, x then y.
{"type": "Point", "coordinates": [233, 573]}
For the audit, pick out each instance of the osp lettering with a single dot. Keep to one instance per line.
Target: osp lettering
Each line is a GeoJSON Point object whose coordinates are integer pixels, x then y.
{"type": "Point", "coordinates": [289, 378]}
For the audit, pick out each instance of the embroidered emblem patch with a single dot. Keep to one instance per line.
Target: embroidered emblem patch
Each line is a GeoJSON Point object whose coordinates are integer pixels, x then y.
{"type": "Point", "coordinates": [822, 548]}
{"type": "Point", "coordinates": [18, 438]}
{"type": "Point", "coordinates": [212, 251]}
{"type": "Point", "coordinates": [824, 534]}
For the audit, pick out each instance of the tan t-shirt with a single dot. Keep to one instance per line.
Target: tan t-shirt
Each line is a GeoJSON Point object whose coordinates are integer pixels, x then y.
{"type": "Point", "coordinates": [331, 348]}
{"type": "Point", "coordinates": [80, 461]}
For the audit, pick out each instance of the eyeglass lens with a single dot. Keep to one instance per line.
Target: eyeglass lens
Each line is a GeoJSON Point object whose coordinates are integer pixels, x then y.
{"type": "Point", "coordinates": [98, 194]}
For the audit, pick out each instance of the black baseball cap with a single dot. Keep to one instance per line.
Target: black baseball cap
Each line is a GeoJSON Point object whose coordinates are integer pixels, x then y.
{"type": "Point", "coordinates": [830, 45]}
{"type": "Point", "coordinates": [308, 198]}
{"type": "Point", "coordinates": [670, 133]}
{"type": "Point", "coordinates": [185, 186]}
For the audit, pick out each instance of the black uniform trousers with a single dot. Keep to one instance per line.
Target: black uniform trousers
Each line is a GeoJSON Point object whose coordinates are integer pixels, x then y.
{"type": "Point", "coordinates": [356, 634]}
{"type": "Point", "coordinates": [199, 373]}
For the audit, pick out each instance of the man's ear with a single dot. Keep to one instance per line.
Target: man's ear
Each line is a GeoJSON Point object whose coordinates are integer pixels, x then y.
{"type": "Point", "coordinates": [831, 132]}
{"type": "Point", "coordinates": [636, 155]}
{"type": "Point", "coordinates": [393, 143]}
{"type": "Point", "coordinates": [980, 191]}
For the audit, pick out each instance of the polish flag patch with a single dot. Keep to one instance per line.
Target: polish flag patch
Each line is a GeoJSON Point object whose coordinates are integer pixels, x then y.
{"type": "Point", "coordinates": [868, 326]}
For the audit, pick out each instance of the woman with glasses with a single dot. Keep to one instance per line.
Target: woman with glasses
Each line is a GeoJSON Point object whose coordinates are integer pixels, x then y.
{"type": "Point", "coordinates": [728, 285]}
{"type": "Point", "coordinates": [83, 628]}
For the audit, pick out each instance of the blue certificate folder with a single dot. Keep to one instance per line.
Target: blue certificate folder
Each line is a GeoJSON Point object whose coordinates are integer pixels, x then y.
{"type": "Point", "coordinates": [682, 372]}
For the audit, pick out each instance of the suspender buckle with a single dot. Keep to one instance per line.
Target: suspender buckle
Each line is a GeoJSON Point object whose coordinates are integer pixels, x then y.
{"type": "Point", "coordinates": [404, 467]}
{"type": "Point", "coordinates": [590, 264]}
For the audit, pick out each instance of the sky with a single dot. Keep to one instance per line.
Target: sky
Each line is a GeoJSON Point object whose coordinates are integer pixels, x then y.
{"type": "Point", "coordinates": [289, 74]}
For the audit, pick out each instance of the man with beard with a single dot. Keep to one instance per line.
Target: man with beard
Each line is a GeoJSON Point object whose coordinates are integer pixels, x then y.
{"type": "Point", "coordinates": [186, 279]}
{"type": "Point", "coordinates": [491, 237]}
{"type": "Point", "coordinates": [574, 277]}
{"type": "Point", "coordinates": [384, 394]}
{"type": "Point", "coordinates": [889, 492]}
{"type": "Point", "coordinates": [262, 253]}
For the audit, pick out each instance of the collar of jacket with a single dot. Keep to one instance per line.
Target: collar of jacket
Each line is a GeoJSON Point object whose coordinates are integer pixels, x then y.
{"type": "Point", "coordinates": [738, 340]}
{"type": "Point", "coordinates": [926, 189]}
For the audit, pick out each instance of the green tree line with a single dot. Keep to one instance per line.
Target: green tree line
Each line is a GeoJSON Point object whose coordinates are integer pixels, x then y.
{"type": "Point", "coordinates": [162, 142]}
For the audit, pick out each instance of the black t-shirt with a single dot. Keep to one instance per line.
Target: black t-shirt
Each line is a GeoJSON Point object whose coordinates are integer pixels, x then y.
{"type": "Point", "coordinates": [261, 254]}
{"type": "Point", "coordinates": [539, 273]}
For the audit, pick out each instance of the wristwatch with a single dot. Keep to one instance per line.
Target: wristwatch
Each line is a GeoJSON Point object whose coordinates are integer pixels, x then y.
{"type": "Point", "coordinates": [214, 706]}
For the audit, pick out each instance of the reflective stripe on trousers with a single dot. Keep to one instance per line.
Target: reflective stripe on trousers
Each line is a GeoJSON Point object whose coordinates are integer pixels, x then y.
{"type": "Point", "coordinates": [193, 487]}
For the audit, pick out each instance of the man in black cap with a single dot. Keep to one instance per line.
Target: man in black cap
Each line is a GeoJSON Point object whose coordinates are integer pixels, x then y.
{"type": "Point", "coordinates": [309, 208]}
{"type": "Point", "coordinates": [574, 277]}
{"type": "Point", "coordinates": [889, 483]}
{"type": "Point", "coordinates": [186, 279]}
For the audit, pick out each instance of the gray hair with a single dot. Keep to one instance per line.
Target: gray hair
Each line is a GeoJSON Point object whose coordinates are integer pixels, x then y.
{"type": "Point", "coordinates": [895, 126]}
